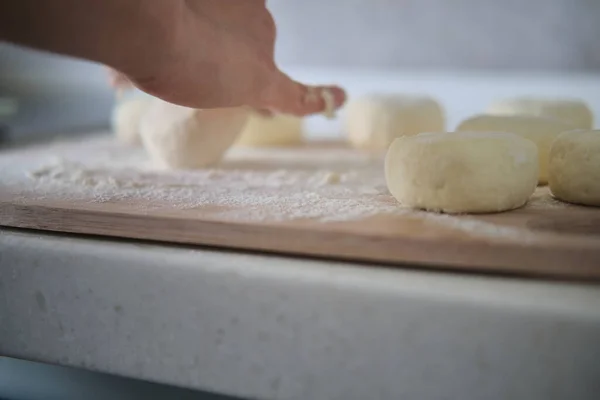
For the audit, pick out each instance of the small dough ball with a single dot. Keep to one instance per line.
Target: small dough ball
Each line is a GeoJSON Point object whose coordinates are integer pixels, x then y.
{"type": "Point", "coordinates": [462, 172]}
{"type": "Point", "coordinates": [540, 130]}
{"type": "Point", "coordinates": [574, 170]}
{"type": "Point", "coordinates": [573, 111]}
{"type": "Point", "coordinates": [373, 122]}
{"type": "Point", "coordinates": [275, 130]}
{"type": "Point", "coordinates": [181, 137]}
{"type": "Point", "coordinates": [126, 118]}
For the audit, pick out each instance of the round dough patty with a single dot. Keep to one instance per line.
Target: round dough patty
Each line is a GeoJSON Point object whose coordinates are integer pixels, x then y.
{"type": "Point", "coordinates": [373, 122]}
{"type": "Point", "coordinates": [574, 169]}
{"type": "Point", "coordinates": [573, 111]}
{"type": "Point", "coordinates": [462, 172]}
{"type": "Point", "coordinates": [540, 130]}
{"type": "Point", "coordinates": [275, 130]}
{"type": "Point", "coordinates": [186, 138]}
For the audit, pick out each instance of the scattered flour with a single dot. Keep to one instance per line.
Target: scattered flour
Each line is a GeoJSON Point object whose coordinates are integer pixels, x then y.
{"type": "Point", "coordinates": [319, 183]}
{"type": "Point", "coordinates": [543, 200]}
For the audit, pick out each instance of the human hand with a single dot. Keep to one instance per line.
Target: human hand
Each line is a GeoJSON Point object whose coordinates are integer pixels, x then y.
{"type": "Point", "coordinates": [222, 55]}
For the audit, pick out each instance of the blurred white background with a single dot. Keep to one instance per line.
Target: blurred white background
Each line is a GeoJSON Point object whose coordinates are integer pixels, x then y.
{"type": "Point", "coordinates": [419, 39]}
{"type": "Point", "coordinates": [559, 35]}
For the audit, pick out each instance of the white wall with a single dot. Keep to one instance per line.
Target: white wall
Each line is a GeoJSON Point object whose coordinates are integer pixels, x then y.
{"type": "Point", "coordinates": [441, 34]}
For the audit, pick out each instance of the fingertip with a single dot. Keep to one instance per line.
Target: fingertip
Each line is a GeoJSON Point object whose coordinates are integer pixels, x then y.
{"type": "Point", "coordinates": [339, 95]}
{"type": "Point", "coordinates": [333, 97]}
{"type": "Point", "coordinates": [324, 99]}
{"type": "Point", "coordinates": [291, 97]}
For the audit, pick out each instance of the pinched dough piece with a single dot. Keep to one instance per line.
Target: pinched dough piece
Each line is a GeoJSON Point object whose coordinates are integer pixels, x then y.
{"type": "Point", "coordinates": [126, 118]}
{"type": "Point", "coordinates": [462, 172]}
{"type": "Point", "coordinates": [540, 130]}
{"type": "Point", "coordinates": [271, 130]}
{"type": "Point", "coordinates": [181, 137]}
{"type": "Point", "coordinates": [373, 122]}
{"type": "Point", "coordinates": [573, 111]}
{"type": "Point", "coordinates": [574, 169]}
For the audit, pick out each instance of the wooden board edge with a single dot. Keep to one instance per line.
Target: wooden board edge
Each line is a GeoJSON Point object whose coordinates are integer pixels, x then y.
{"type": "Point", "coordinates": [455, 255]}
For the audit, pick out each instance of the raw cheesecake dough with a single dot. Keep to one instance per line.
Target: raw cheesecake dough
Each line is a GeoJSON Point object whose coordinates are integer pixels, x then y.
{"type": "Point", "coordinates": [573, 111]}
{"type": "Point", "coordinates": [462, 172]}
{"type": "Point", "coordinates": [313, 94]}
{"type": "Point", "coordinates": [540, 130]}
{"type": "Point", "coordinates": [574, 169]}
{"type": "Point", "coordinates": [276, 130]}
{"type": "Point", "coordinates": [181, 137]}
{"type": "Point", "coordinates": [329, 100]}
{"type": "Point", "coordinates": [126, 118]}
{"type": "Point", "coordinates": [373, 122]}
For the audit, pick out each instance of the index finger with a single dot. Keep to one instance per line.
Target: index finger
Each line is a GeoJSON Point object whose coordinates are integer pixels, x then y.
{"type": "Point", "coordinates": [291, 97]}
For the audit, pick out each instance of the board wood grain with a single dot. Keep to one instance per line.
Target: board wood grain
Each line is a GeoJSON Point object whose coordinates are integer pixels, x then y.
{"type": "Point", "coordinates": [553, 242]}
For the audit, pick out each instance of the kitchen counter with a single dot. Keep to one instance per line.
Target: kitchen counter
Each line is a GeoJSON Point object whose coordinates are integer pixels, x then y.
{"type": "Point", "coordinates": [273, 327]}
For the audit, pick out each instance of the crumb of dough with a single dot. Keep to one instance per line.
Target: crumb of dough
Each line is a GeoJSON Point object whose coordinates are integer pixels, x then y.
{"type": "Point", "coordinates": [329, 111]}
{"type": "Point", "coordinates": [312, 95]}
{"type": "Point", "coordinates": [330, 178]}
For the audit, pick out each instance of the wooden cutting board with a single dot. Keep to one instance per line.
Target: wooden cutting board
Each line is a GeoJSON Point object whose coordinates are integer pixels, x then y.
{"type": "Point", "coordinates": [321, 199]}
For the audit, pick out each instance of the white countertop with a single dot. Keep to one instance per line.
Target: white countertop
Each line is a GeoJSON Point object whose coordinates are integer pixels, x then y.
{"type": "Point", "coordinates": [284, 328]}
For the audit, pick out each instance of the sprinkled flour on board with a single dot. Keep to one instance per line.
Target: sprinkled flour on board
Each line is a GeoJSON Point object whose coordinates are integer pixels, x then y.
{"type": "Point", "coordinates": [326, 184]}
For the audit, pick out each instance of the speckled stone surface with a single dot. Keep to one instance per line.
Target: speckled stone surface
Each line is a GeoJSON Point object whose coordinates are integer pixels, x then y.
{"type": "Point", "coordinates": [270, 327]}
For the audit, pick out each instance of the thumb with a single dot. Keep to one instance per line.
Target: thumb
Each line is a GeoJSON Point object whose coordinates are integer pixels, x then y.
{"type": "Point", "coordinates": [288, 96]}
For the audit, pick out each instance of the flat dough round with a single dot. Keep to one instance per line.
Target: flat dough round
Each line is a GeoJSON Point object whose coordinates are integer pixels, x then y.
{"type": "Point", "coordinates": [462, 172]}
{"type": "Point", "coordinates": [540, 130]}
{"type": "Point", "coordinates": [126, 118]}
{"type": "Point", "coordinates": [573, 111]}
{"type": "Point", "coordinates": [574, 169]}
{"type": "Point", "coordinates": [186, 138]}
{"type": "Point", "coordinates": [373, 122]}
{"type": "Point", "coordinates": [275, 130]}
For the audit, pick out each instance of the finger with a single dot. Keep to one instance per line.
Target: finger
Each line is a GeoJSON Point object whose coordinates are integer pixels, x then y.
{"type": "Point", "coordinates": [291, 97]}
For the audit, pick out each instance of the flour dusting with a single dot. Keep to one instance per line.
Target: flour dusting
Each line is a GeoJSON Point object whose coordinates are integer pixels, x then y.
{"type": "Point", "coordinates": [327, 184]}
